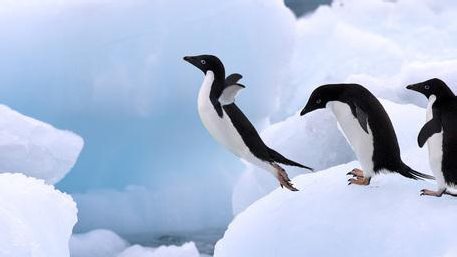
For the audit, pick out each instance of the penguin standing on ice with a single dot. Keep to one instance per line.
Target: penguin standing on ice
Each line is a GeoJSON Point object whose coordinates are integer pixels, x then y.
{"type": "Point", "coordinates": [440, 133]}
{"type": "Point", "coordinates": [228, 125]}
{"type": "Point", "coordinates": [367, 128]}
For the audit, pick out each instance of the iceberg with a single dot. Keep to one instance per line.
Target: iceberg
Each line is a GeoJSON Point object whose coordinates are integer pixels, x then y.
{"type": "Point", "coordinates": [35, 219]}
{"type": "Point", "coordinates": [35, 148]}
{"type": "Point", "coordinates": [329, 218]}
{"type": "Point", "coordinates": [97, 243]}
{"type": "Point", "coordinates": [186, 250]}
{"type": "Point", "coordinates": [315, 139]}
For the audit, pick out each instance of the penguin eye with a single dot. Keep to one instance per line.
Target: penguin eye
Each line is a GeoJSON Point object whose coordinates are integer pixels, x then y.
{"type": "Point", "coordinates": [427, 87]}
{"type": "Point", "coordinates": [203, 62]}
{"type": "Point", "coordinates": [318, 101]}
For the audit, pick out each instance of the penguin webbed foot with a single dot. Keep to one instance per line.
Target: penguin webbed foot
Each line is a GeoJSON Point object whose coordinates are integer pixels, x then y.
{"type": "Point", "coordinates": [438, 193]}
{"type": "Point", "coordinates": [358, 178]}
{"type": "Point", "coordinates": [361, 181]}
{"type": "Point", "coordinates": [356, 173]}
{"type": "Point", "coordinates": [283, 178]}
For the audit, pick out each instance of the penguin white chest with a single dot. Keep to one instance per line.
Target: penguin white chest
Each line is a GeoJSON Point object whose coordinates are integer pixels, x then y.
{"type": "Point", "coordinates": [435, 146]}
{"type": "Point", "coordinates": [360, 141]}
{"type": "Point", "coordinates": [221, 129]}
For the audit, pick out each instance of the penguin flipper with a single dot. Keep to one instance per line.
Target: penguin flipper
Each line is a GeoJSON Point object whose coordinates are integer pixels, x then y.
{"type": "Point", "coordinates": [277, 157]}
{"type": "Point", "coordinates": [430, 128]}
{"type": "Point", "coordinates": [217, 106]}
{"type": "Point", "coordinates": [360, 115]}
{"type": "Point", "coordinates": [229, 93]}
{"type": "Point", "coordinates": [232, 79]}
{"type": "Point", "coordinates": [231, 89]}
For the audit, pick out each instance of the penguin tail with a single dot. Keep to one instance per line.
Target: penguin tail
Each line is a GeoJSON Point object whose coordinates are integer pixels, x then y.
{"type": "Point", "coordinates": [406, 171]}
{"type": "Point", "coordinates": [277, 157]}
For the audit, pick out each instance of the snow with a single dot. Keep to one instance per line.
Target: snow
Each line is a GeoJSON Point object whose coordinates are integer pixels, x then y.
{"type": "Point", "coordinates": [186, 250]}
{"type": "Point", "coordinates": [315, 140]}
{"type": "Point", "coordinates": [35, 148]}
{"type": "Point", "coordinates": [384, 45]}
{"type": "Point", "coordinates": [106, 243]}
{"type": "Point", "coordinates": [113, 72]}
{"type": "Point", "coordinates": [329, 218]}
{"type": "Point", "coordinates": [35, 219]}
{"type": "Point", "coordinates": [97, 243]}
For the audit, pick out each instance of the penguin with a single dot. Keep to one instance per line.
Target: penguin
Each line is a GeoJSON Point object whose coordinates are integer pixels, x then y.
{"type": "Point", "coordinates": [440, 134]}
{"type": "Point", "coordinates": [367, 128]}
{"type": "Point", "coordinates": [227, 123]}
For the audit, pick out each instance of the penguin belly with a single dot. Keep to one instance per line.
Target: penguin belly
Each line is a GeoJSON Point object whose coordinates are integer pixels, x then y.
{"type": "Point", "coordinates": [222, 129]}
{"type": "Point", "coordinates": [360, 141]}
{"type": "Point", "coordinates": [435, 148]}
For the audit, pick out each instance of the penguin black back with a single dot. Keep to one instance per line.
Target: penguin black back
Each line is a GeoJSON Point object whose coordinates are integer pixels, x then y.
{"type": "Point", "coordinates": [444, 110]}
{"type": "Point", "coordinates": [371, 116]}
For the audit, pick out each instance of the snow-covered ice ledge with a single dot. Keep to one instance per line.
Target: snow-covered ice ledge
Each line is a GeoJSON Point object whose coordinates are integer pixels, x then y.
{"type": "Point", "coordinates": [329, 218]}
{"type": "Point", "coordinates": [35, 148]}
{"type": "Point", "coordinates": [36, 220]}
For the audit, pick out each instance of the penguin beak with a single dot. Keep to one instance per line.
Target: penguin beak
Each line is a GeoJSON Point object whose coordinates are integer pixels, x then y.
{"type": "Point", "coordinates": [306, 110]}
{"type": "Point", "coordinates": [190, 59]}
{"type": "Point", "coordinates": [414, 87]}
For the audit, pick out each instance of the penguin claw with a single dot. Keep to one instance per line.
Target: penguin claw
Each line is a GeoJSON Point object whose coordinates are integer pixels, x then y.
{"type": "Point", "coordinates": [362, 181]}
{"type": "Point", "coordinates": [355, 173]}
{"type": "Point", "coordinates": [283, 178]}
{"type": "Point", "coordinates": [432, 193]}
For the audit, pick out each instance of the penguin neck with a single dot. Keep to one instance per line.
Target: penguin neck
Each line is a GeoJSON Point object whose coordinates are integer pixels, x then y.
{"type": "Point", "coordinates": [213, 84]}
{"type": "Point", "coordinates": [217, 84]}
{"type": "Point", "coordinates": [211, 90]}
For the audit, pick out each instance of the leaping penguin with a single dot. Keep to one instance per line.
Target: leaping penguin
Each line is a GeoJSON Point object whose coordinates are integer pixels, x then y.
{"type": "Point", "coordinates": [440, 133]}
{"type": "Point", "coordinates": [228, 125]}
{"type": "Point", "coordinates": [367, 128]}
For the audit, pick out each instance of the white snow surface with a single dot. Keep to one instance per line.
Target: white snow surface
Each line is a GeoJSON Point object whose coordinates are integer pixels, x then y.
{"type": "Point", "coordinates": [315, 140]}
{"type": "Point", "coordinates": [35, 148]}
{"type": "Point", "coordinates": [97, 243]}
{"type": "Point", "coordinates": [384, 45]}
{"type": "Point", "coordinates": [186, 250]}
{"type": "Point", "coordinates": [106, 243]}
{"type": "Point", "coordinates": [36, 220]}
{"type": "Point", "coordinates": [329, 218]}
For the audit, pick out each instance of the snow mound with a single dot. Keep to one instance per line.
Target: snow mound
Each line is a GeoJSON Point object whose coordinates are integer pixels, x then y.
{"type": "Point", "coordinates": [35, 148]}
{"type": "Point", "coordinates": [186, 250]}
{"type": "Point", "coordinates": [294, 138]}
{"type": "Point", "coordinates": [97, 243]}
{"type": "Point", "coordinates": [382, 44]}
{"type": "Point", "coordinates": [106, 243]}
{"type": "Point", "coordinates": [315, 140]}
{"type": "Point", "coordinates": [35, 219]}
{"type": "Point", "coordinates": [329, 218]}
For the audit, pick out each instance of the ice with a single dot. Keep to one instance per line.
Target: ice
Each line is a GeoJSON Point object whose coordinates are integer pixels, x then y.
{"type": "Point", "coordinates": [383, 45]}
{"type": "Point", "coordinates": [139, 211]}
{"type": "Point", "coordinates": [35, 219]}
{"type": "Point", "coordinates": [106, 243]}
{"type": "Point", "coordinates": [112, 71]}
{"type": "Point", "coordinates": [315, 140]}
{"type": "Point", "coordinates": [186, 250]}
{"type": "Point", "coordinates": [35, 148]}
{"type": "Point", "coordinates": [329, 218]}
{"type": "Point", "coordinates": [97, 243]}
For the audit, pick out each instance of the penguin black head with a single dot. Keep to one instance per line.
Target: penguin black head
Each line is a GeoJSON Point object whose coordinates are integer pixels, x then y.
{"type": "Point", "coordinates": [432, 87]}
{"type": "Point", "coordinates": [206, 63]}
{"type": "Point", "coordinates": [321, 96]}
